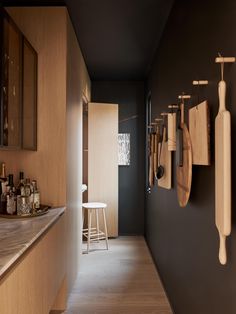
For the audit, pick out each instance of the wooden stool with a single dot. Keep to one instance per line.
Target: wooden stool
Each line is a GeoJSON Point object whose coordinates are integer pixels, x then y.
{"type": "Point", "coordinates": [95, 234]}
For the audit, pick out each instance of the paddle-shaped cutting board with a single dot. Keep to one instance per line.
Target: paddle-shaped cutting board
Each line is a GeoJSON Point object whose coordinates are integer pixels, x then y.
{"type": "Point", "coordinates": [184, 172]}
{"type": "Point", "coordinates": [199, 130]}
{"type": "Point", "coordinates": [165, 161]}
{"type": "Point", "coordinates": [223, 172]}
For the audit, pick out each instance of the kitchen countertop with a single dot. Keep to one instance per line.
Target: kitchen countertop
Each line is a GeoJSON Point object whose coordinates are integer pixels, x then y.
{"type": "Point", "coordinates": [17, 235]}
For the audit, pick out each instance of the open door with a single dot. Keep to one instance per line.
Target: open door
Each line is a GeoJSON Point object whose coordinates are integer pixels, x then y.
{"type": "Point", "coordinates": [103, 160]}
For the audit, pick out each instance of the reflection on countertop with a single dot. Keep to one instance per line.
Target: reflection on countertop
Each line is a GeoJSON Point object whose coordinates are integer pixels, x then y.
{"type": "Point", "coordinates": [16, 236]}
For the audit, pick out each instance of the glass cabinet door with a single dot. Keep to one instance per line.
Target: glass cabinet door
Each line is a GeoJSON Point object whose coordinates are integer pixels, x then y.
{"type": "Point", "coordinates": [29, 121]}
{"type": "Point", "coordinates": [18, 88]}
{"type": "Point", "coordinates": [11, 86]}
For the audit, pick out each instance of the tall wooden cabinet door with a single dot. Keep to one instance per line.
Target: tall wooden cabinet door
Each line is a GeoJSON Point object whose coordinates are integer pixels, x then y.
{"type": "Point", "coordinates": [103, 160]}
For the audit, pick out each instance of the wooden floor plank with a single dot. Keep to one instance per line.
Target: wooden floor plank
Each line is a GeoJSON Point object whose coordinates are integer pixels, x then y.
{"type": "Point", "coordinates": [122, 280]}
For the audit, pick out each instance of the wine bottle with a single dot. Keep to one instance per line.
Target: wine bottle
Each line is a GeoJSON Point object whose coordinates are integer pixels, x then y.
{"type": "Point", "coordinates": [20, 187]}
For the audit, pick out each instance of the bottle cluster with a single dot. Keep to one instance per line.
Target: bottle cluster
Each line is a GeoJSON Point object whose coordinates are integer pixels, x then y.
{"type": "Point", "coordinates": [22, 199]}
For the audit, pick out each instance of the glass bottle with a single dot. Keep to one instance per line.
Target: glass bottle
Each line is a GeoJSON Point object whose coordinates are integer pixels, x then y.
{"type": "Point", "coordinates": [3, 201]}
{"type": "Point", "coordinates": [11, 196]}
{"type": "Point", "coordinates": [36, 196]}
{"type": "Point", "coordinates": [20, 190]}
{"type": "Point", "coordinates": [27, 187]}
{"type": "Point", "coordinates": [3, 176]}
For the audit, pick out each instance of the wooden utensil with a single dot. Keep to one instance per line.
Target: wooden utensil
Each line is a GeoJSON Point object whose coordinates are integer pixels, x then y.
{"type": "Point", "coordinates": [184, 172]}
{"type": "Point", "coordinates": [199, 130]}
{"type": "Point", "coordinates": [155, 155]}
{"type": "Point", "coordinates": [172, 131]}
{"type": "Point", "coordinates": [151, 159]}
{"type": "Point", "coordinates": [223, 172]}
{"type": "Point", "coordinates": [172, 128]}
{"type": "Point", "coordinates": [165, 162]}
{"type": "Point", "coordinates": [179, 140]}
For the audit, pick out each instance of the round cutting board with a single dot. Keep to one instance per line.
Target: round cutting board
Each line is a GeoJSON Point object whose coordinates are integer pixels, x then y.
{"type": "Point", "coordinates": [184, 173]}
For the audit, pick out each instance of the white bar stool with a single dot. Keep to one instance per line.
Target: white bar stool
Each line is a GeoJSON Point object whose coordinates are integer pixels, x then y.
{"type": "Point", "coordinates": [95, 234]}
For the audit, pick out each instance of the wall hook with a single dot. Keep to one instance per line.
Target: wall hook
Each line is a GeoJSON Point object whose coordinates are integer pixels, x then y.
{"type": "Point", "coordinates": [200, 83]}
{"type": "Point", "coordinates": [222, 61]}
{"type": "Point", "coordinates": [182, 97]}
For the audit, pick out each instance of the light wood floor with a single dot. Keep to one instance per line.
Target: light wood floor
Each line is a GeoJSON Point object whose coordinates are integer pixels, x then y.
{"type": "Point", "coordinates": [122, 280]}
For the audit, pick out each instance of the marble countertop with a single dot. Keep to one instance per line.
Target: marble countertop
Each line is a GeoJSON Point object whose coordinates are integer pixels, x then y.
{"type": "Point", "coordinates": [17, 235]}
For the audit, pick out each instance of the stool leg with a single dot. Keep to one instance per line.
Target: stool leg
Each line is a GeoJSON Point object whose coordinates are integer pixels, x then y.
{"type": "Point", "coordinates": [83, 210]}
{"type": "Point", "coordinates": [97, 224]}
{"type": "Point", "coordinates": [89, 228]}
{"type": "Point", "coordinates": [105, 226]}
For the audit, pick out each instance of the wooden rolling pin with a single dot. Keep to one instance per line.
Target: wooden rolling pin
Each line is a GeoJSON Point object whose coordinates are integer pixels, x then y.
{"type": "Point", "coordinates": [223, 172]}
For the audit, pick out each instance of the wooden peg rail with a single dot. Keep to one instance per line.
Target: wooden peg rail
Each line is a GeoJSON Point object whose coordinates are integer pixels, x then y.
{"type": "Point", "coordinates": [201, 82]}
{"type": "Point", "coordinates": [225, 60]}
{"type": "Point", "coordinates": [173, 106]}
{"type": "Point", "coordinates": [184, 97]}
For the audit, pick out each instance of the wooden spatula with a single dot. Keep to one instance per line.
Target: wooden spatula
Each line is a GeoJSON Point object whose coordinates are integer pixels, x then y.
{"type": "Point", "coordinates": [223, 172]}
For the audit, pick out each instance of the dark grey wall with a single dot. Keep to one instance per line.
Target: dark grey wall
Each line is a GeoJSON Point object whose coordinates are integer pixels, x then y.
{"type": "Point", "coordinates": [184, 241]}
{"type": "Point", "coordinates": [130, 97]}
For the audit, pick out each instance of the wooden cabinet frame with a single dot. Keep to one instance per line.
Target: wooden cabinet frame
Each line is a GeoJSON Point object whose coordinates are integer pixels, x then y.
{"type": "Point", "coordinates": [23, 41]}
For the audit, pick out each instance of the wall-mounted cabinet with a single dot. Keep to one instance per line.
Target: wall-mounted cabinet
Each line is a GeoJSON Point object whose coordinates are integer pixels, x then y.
{"type": "Point", "coordinates": [18, 115]}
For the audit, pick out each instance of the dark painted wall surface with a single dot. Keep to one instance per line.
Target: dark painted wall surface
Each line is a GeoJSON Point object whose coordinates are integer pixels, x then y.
{"type": "Point", "coordinates": [184, 241]}
{"type": "Point", "coordinates": [130, 97]}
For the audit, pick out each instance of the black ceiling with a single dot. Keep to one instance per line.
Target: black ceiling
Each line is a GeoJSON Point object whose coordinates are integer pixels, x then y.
{"type": "Point", "coordinates": [118, 38]}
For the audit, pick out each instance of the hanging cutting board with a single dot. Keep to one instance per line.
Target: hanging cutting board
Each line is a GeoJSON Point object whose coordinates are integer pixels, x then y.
{"type": "Point", "coordinates": [165, 162]}
{"type": "Point", "coordinates": [184, 172]}
{"type": "Point", "coordinates": [223, 172]}
{"type": "Point", "coordinates": [199, 130]}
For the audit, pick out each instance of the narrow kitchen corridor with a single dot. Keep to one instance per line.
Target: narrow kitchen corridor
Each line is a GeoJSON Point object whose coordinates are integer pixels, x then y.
{"type": "Point", "coordinates": [122, 280]}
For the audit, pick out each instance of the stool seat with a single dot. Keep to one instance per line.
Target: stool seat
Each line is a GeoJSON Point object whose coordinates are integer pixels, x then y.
{"type": "Point", "coordinates": [94, 205]}
{"type": "Point", "coordinates": [95, 234]}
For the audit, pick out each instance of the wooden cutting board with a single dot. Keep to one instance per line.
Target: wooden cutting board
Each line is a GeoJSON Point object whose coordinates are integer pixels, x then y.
{"type": "Point", "coordinates": [199, 130]}
{"type": "Point", "coordinates": [165, 161]}
{"type": "Point", "coordinates": [184, 172]}
{"type": "Point", "coordinates": [223, 172]}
